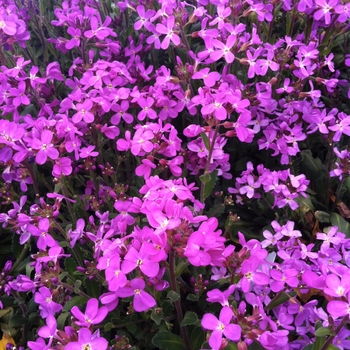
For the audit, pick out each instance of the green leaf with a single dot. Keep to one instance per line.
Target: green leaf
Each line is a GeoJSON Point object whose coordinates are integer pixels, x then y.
{"type": "Point", "coordinates": [108, 326]}
{"type": "Point", "coordinates": [231, 346]}
{"type": "Point", "coordinates": [343, 225]}
{"type": "Point", "coordinates": [197, 338]}
{"type": "Point", "coordinates": [322, 216]}
{"type": "Point", "coordinates": [77, 285]}
{"type": "Point", "coordinates": [70, 266]}
{"type": "Point", "coordinates": [180, 267]}
{"type": "Point", "coordinates": [16, 246]}
{"type": "Point", "coordinates": [173, 296]}
{"type": "Point", "coordinates": [323, 331]}
{"type": "Point", "coordinates": [255, 346]}
{"type": "Point", "coordinates": [75, 301]}
{"type": "Point", "coordinates": [189, 319]}
{"type": "Point", "coordinates": [17, 321]}
{"type": "Point", "coordinates": [346, 183]}
{"type": "Point", "coordinates": [4, 312]}
{"type": "Point", "coordinates": [168, 341]}
{"type": "Point", "coordinates": [308, 347]}
{"type": "Point", "coordinates": [279, 299]}
{"type": "Point", "coordinates": [93, 288]}
{"type": "Point", "coordinates": [157, 315]}
{"type": "Point", "coordinates": [205, 140]}
{"type": "Point", "coordinates": [332, 347]}
{"type": "Point", "coordinates": [205, 178]}
{"type": "Point", "coordinates": [192, 297]}
{"type": "Point", "coordinates": [209, 186]}
{"type": "Point", "coordinates": [305, 203]}
{"type": "Point", "coordinates": [61, 319]}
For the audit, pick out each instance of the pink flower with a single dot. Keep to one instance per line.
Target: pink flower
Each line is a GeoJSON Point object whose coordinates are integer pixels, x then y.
{"type": "Point", "coordinates": [45, 147]}
{"type": "Point", "coordinates": [169, 31]}
{"type": "Point", "coordinates": [147, 111]}
{"type": "Point", "coordinates": [83, 112]}
{"type": "Point", "coordinates": [19, 95]}
{"type": "Point", "coordinates": [220, 327]}
{"type": "Point", "coordinates": [86, 340]}
{"type": "Point", "coordinates": [144, 16]}
{"type": "Point", "coordinates": [93, 314]}
{"type": "Point", "coordinates": [142, 300]}
{"type": "Point", "coordinates": [224, 50]}
{"type": "Point", "coordinates": [209, 79]}
{"type": "Point", "coordinates": [62, 166]}
{"type": "Point", "coordinates": [141, 259]}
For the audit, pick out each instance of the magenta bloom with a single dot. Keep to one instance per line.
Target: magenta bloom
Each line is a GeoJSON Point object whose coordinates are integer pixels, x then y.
{"type": "Point", "coordinates": [209, 79]}
{"type": "Point", "coordinates": [50, 329]}
{"type": "Point", "coordinates": [93, 314]}
{"type": "Point", "coordinates": [62, 166]}
{"type": "Point", "coordinates": [115, 277]}
{"type": "Point", "coordinates": [224, 50]}
{"type": "Point", "coordinates": [336, 287]}
{"type": "Point", "coordinates": [142, 300]}
{"type": "Point", "coordinates": [250, 274]}
{"type": "Point", "coordinates": [144, 16]}
{"type": "Point", "coordinates": [83, 112]}
{"type": "Point", "coordinates": [147, 111]}
{"type": "Point", "coordinates": [221, 327]}
{"type": "Point", "coordinates": [88, 341]}
{"type": "Point", "coordinates": [75, 41]}
{"type": "Point", "coordinates": [169, 31]}
{"type": "Point", "coordinates": [45, 147]}
{"type": "Point", "coordinates": [19, 95]}
{"type": "Point", "coordinates": [41, 232]}
{"type": "Point", "coordinates": [141, 259]}
{"type": "Point", "coordinates": [46, 305]}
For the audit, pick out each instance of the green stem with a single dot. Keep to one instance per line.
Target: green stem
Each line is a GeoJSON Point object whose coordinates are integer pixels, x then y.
{"type": "Point", "coordinates": [68, 203]}
{"type": "Point", "coordinates": [19, 259]}
{"type": "Point", "coordinates": [75, 253]}
{"type": "Point", "coordinates": [177, 303]}
{"type": "Point", "coordinates": [206, 170]}
{"type": "Point", "coordinates": [329, 340]}
{"type": "Point", "coordinates": [71, 288]}
{"type": "Point", "coordinates": [31, 174]}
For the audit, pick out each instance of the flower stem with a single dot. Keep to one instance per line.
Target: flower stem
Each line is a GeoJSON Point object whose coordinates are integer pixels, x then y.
{"type": "Point", "coordinates": [177, 302]}
{"type": "Point", "coordinates": [329, 340]}
{"type": "Point", "coordinates": [206, 170]}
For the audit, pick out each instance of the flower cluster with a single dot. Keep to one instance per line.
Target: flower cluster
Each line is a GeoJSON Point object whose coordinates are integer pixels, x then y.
{"type": "Point", "coordinates": [125, 130]}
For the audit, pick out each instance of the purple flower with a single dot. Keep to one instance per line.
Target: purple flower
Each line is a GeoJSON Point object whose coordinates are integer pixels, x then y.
{"type": "Point", "coordinates": [209, 79]}
{"type": "Point", "coordinates": [141, 259]}
{"type": "Point", "coordinates": [50, 329]}
{"type": "Point", "coordinates": [45, 147]}
{"type": "Point", "coordinates": [75, 41]}
{"type": "Point", "coordinates": [220, 327]}
{"type": "Point", "coordinates": [169, 31]}
{"type": "Point", "coordinates": [144, 16]}
{"type": "Point", "coordinates": [336, 287]}
{"type": "Point", "coordinates": [19, 94]}
{"type": "Point", "coordinates": [88, 152]}
{"type": "Point", "coordinates": [250, 274]}
{"type": "Point", "coordinates": [338, 308]}
{"type": "Point", "coordinates": [224, 50]}
{"type": "Point", "coordinates": [62, 166]}
{"type": "Point", "coordinates": [147, 111]}
{"type": "Point", "coordinates": [89, 341]}
{"type": "Point", "coordinates": [115, 277]}
{"type": "Point", "coordinates": [44, 238]}
{"type": "Point", "coordinates": [93, 314]}
{"type": "Point", "coordinates": [46, 305]}
{"type": "Point", "coordinates": [83, 112]}
{"type": "Point", "coordinates": [142, 300]}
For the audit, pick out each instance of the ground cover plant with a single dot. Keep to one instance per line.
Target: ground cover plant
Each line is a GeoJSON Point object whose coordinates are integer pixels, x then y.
{"type": "Point", "coordinates": [174, 175]}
